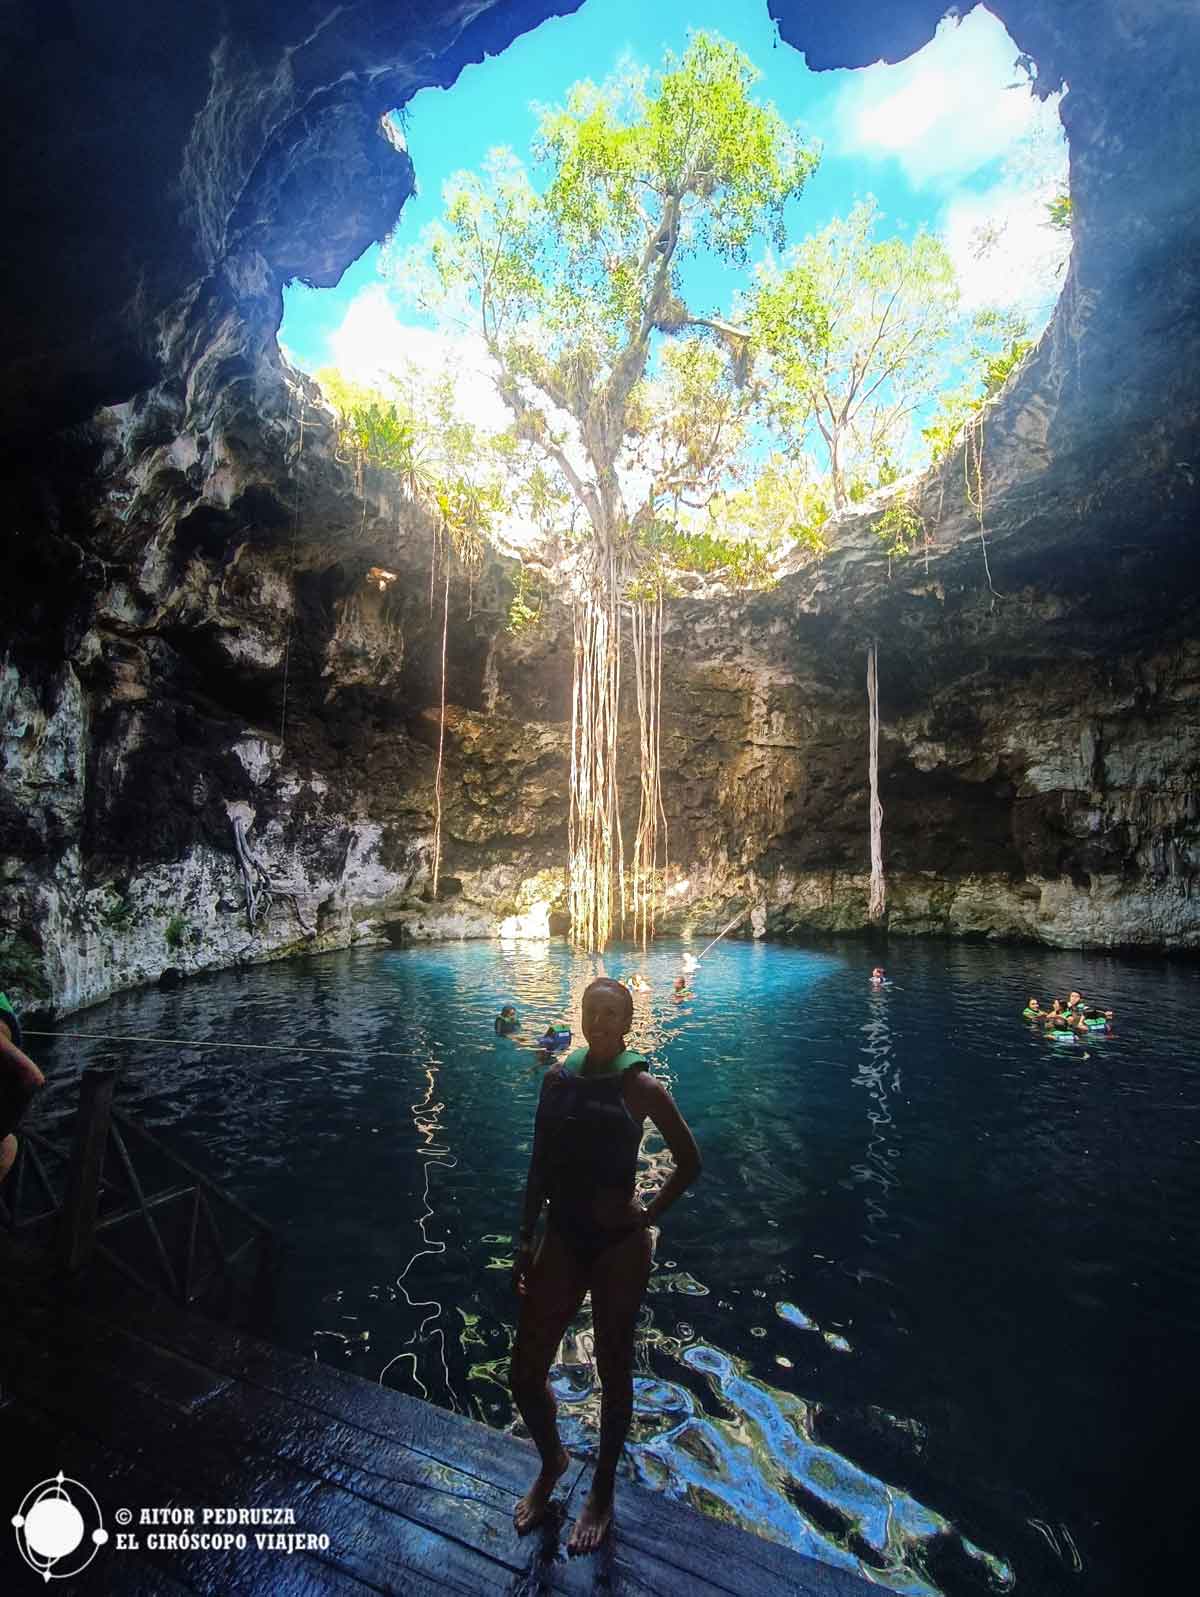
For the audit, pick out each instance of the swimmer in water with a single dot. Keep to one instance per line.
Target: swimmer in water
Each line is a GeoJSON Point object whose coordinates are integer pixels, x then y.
{"type": "Point", "coordinates": [681, 990]}
{"type": "Point", "coordinates": [506, 1021]}
{"type": "Point", "coordinates": [877, 977]}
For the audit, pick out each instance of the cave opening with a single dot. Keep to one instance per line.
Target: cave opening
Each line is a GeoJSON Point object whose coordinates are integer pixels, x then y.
{"type": "Point", "coordinates": [662, 331]}
{"type": "Point", "coordinates": [954, 142]}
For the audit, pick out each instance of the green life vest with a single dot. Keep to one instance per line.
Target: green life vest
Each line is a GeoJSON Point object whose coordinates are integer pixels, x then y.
{"type": "Point", "coordinates": [574, 1062]}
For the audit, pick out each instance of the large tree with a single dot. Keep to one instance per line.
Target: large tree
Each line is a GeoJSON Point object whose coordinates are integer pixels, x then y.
{"type": "Point", "coordinates": [573, 284]}
{"type": "Point", "coordinates": [856, 334]}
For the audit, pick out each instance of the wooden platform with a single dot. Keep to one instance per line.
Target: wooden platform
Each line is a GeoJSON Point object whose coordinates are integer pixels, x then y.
{"type": "Point", "coordinates": [149, 1406]}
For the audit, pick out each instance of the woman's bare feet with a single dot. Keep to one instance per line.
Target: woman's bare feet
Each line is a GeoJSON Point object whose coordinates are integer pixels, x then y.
{"type": "Point", "coordinates": [592, 1526]}
{"type": "Point", "coordinates": [531, 1510]}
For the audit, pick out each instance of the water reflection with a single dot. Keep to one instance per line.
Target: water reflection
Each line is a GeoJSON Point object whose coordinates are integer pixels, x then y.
{"type": "Point", "coordinates": [878, 1076]}
{"type": "Point", "coordinates": [433, 1153]}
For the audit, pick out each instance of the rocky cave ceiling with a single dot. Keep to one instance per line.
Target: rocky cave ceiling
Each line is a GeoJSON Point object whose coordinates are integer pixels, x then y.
{"type": "Point", "coordinates": [168, 164]}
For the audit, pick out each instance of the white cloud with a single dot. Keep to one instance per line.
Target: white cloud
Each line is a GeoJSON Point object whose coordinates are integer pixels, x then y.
{"type": "Point", "coordinates": [372, 343]}
{"type": "Point", "coordinates": [1021, 268]}
{"type": "Point", "coordinates": [943, 113]}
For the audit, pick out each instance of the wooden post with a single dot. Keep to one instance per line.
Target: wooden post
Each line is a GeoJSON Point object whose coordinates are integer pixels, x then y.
{"type": "Point", "coordinates": [82, 1201]}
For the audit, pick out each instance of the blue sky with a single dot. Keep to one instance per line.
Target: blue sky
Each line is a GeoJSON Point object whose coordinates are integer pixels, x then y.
{"type": "Point", "coordinates": [933, 138]}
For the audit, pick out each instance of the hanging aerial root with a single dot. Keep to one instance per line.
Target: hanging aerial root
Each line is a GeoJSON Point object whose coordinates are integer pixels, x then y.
{"type": "Point", "coordinates": [594, 846]}
{"type": "Point", "coordinates": [973, 477]}
{"type": "Point", "coordinates": [876, 901]}
{"type": "Point", "coordinates": [261, 891]}
{"type": "Point", "coordinates": [646, 634]}
{"type": "Point", "coordinates": [437, 781]}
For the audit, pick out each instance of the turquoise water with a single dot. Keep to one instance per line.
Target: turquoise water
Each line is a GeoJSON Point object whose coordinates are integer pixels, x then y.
{"type": "Point", "coordinates": [930, 1311]}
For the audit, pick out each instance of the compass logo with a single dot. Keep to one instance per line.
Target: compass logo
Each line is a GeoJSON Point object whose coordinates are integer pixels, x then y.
{"type": "Point", "coordinates": [52, 1528]}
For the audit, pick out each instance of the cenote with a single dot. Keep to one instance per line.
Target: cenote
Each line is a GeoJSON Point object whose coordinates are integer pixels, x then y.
{"type": "Point", "coordinates": [919, 1315]}
{"type": "Point", "coordinates": [766, 497]}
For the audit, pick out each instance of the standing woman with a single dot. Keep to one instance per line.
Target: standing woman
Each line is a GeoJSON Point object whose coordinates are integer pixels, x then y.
{"type": "Point", "coordinates": [585, 1147]}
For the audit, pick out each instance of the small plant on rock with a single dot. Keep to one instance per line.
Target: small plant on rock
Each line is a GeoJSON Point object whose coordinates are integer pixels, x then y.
{"type": "Point", "coordinates": [118, 915]}
{"type": "Point", "coordinates": [900, 527]}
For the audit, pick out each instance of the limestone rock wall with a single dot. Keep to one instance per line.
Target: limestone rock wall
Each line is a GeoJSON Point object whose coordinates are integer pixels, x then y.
{"type": "Point", "coordinates": [1058, 803]}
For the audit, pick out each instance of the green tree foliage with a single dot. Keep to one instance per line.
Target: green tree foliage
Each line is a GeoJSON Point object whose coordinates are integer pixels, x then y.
{"type": "Point", "coordinates": [414, 435]}
{"type": "Point", "coordinates": [780, 505]}
{"type": "Point", "coordinates": [379, 429]}
{"type": "Point", "coordinates": [743, 563]}
{"type": "Point", "coordinates": [573, 286]}
{"type": "Point", "coordinates": [525, 607]}
{"type": "Point", "coordinates": [1001, 344]}
{"type": "Point", "coordinates": [1059, 212]}
{"type": "Point", "coordinates": [855, 334]}
{"type": "Point", "coordinates": [900, 526]}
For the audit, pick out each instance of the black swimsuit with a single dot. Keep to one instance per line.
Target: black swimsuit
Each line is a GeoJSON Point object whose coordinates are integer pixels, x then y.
{"type": "Point", "coordinates": [590, 1144]}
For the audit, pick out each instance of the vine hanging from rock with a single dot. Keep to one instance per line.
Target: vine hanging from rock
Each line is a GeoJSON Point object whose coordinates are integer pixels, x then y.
{"type": "Point", "coordinates": [646, 632]}
{"type": "Point", "coordinates": [877, 898]}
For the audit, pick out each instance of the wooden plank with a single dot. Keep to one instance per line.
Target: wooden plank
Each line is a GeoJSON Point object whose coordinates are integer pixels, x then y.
{"type": "Point", "coordinates": [725, 1557]}
{"type": "Point", "coordinates": [252, 1452]}
{"type": "Point", "coordinates": [120, 1479]}
{"type": "Point", "coordinates": [381, 1473]}
{"type": "Point", "coordinates": [452, 1439]}
{"type": "Point", "coordinates": [408, 1486]}
{"type": "Point", "coordinates": [174, 1381]}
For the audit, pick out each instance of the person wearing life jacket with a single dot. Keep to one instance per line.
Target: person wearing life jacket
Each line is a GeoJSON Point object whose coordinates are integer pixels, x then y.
{"type": "Point", "coordinates": [587, 1133]}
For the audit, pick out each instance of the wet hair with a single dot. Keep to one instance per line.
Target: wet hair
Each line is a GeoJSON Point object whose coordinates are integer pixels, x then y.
{"type": "Point", "coordinates": [608, 985]}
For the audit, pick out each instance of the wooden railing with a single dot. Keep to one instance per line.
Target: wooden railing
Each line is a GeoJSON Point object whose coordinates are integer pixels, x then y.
{"type": "Point", "coordinates": [32, 1196]}
{"type": "Point", "coordinates": [117, 1193]}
